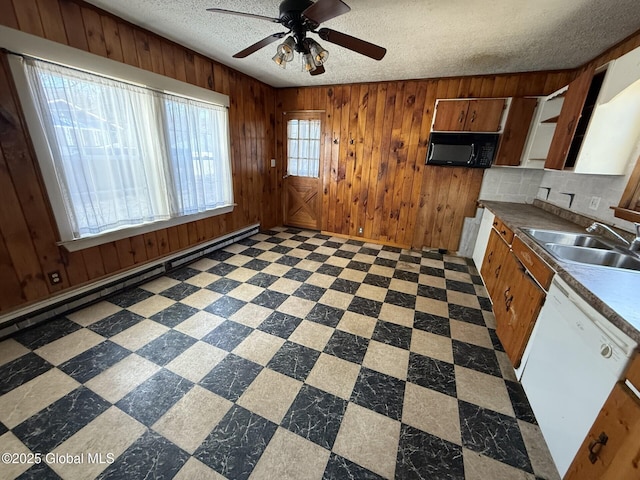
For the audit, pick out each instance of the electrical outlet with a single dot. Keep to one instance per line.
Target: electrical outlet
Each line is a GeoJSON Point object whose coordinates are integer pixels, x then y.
{"type": "Point", "coordinates": [360, 230]}
{"type": "Point", "coordinates": [593, 204]}
{"type": "Point", "coordinates": [273, 162]}
{"type": "Point", "coordinates": [54, 277]}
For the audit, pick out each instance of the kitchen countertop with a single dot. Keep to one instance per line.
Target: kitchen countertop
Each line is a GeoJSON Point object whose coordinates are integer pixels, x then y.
{"type": "Point", "coordinates": [612, 292]}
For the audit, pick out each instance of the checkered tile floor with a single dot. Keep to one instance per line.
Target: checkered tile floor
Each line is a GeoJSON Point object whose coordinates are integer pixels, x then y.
{"type": "Point", "coordinates": [289, 355]}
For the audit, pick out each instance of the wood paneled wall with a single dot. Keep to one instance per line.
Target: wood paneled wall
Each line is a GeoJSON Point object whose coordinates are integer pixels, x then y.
{"type": "Point", "coordinates": [375, 145]}
{"type": "Point", "coordinates": [28, 233]}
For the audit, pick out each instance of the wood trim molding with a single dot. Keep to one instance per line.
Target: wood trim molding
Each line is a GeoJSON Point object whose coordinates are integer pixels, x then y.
{"type": "Point", "coordinates": [627, 209]}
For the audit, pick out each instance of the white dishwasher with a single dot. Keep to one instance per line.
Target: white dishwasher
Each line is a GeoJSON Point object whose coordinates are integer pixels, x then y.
{"type": "Point", "coordinates": [576, 357]}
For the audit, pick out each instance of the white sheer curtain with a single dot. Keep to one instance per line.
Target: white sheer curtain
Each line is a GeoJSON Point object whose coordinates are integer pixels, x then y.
{"type": "Point", "coordinates": [103, 139]}
{"type": "Point", "coordinates": [125, 155]}
{"type": "Point", "coordinates": [200, 169]}
{"type": "Point", "coordinates": [303, 148]}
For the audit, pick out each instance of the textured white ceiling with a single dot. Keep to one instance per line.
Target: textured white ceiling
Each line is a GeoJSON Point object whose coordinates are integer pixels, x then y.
{"type": "Point", "coordinates": [423, 38]}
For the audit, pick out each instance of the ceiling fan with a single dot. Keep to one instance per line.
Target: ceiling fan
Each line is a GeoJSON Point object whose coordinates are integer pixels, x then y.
{"type": "Point", "coordinates": [301, 17]}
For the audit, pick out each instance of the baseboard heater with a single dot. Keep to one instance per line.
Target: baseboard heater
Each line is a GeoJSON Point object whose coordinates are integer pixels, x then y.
{"type": "Point", "coordinates": [76, 299]}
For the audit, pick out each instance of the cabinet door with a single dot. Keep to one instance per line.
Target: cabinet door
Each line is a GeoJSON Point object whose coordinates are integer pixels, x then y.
{"type": "Point", "coordinates": [484, 115]}
{"type": "Point", "coordinates": [618, 422]}
{"type": "Point", "coordinates": [497, 250]}
{"type": "Point", "coordinates": [451, 115]}
{"type": "Point", "coordinates": [568, 120]}
{"type": "Point", "coordinates": [516, 131]}
{"type": "Point", "coordinates": [516, 308]}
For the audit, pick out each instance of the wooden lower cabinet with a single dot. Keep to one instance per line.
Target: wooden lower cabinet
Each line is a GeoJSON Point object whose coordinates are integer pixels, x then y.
{"type": "Point", "coordinates": [516, 297]}
{"type": "Point", "coordinates": [518, 302]}
{"type": "Point", "coordinates": [611, 450]}
{"type": "Point", "coordinates": [496, 251]}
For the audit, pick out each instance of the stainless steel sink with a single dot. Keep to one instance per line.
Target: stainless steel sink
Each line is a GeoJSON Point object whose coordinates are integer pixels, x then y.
{"type": "Point", "coordinates": [594, 256]}
{"type": "Point", "coordinates": [566, 238]}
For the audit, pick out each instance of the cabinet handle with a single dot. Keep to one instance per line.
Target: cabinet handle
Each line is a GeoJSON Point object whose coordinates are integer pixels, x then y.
{"type": "Point", "coordinates": [506, 292]}
{"type": "Point", "coordinates": [507, 302]}
{"type": "Point", "coordinates": [490, 256]}
{"type": "Point", "coordinates": [495, 224]}
{"type": "Point", "coordinates": [461, 117]}
{"type": "Point", "coordinates": [498, 270]}
{"type": "Point", "coordinates": [473, 116]}
{"type": "Point", "coordinates": [596, 446]}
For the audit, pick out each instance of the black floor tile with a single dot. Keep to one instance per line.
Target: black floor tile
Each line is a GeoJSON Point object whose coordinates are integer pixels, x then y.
{"type": "Point", "coordinates": [3, 429]}
{"type": "Point", "coordinates": [365, 306]}
{"type": "Point", "coordinates": [310, 247]}
{"type": "Point", "coordinates": [360, 266]}
{"type": "Point", "coordinates": [116, 323]}
{"type": "Point", "coordinates": [466, 314]}
{"type": "Point", "coordinates": [39, 471]}
{"type": "Point", "coordinates": [345, 286]}
{"type": "Point", "coordinates": [385, 262]}
{"type": "Point", "coordinates": [330, 270]}
{"type": "Point", "coordinates": [179, 291]}
{"type": "Point", "coordinates": [94, 361]}
{"type": "Point", "coordinates": [297, 274]}
{"type": "Point", "coordinates": [289, 260]}
{"type": "Point", "coordinates": [280, 324]}
{"type": "Point", "coordinates": [130, 297]}
{"type": "Point", "coordinates": [182, 274]}
{"type": "Point", "coordinates": [339, 468]}
{"type": "Point", "coordinates": [332, 244]}
{"type": "Point", "coordinates": [270, 299]}
{"type": "Point", "coordinates": [318, 257]}
{"type": "Point", "coordinates": [150, 456]}
{"type": "Point", "coordinates": [151, 399]}
{"type": "Point", "coordinates": [220, 255]}
{"type": "Point", "coordinates": [294, 360]}
{"type": "Point", "coordinates": [50, 427]}
{"type": "Point", "coordinates": [281, 249]}
{"type": "Point", "coordinates": [228, 335]}
{"type": "Point", "coordinates": [174, 315]}
{"type": "Point", "coordinates": [432, 271]}
{"type": "Point", "coordinates": [236, 444]}
{"type": "Point", "coordinates": [379, 392]}
{"type": "Point", "coordinates": [326, 315]}
{"type": "Point", "coordinates": [166, 347]}
{"type": "Point", "coordinates": [21, 370]}
{"type": "Point", "coordinates": [392, 334]}
{"type": "Point", "coordinates": [410, 259]}
{"type": "Point", "coordinates": [256, 264]}
{"type": "Point", "coordinates": [345, 254]}
{"type": "Point", "coordinates": [309, 292]}
{"type": "Point", "coordinates": [497, 344]}
{"type": "Point", "coordinates": [425, 456]}
{"type": "Point", "coordinates": [520, 403]}
{"type": "Point", "coordinates": [377, 280]}
{"type": "Point", "coordinates": [252, 252]}
{"type": "Point", "coordinates": [347, 346]}
{"type": "Point", "coordinates": [432, 323]}
{"type": "Point", "coordinates": [406, 276]}
{"type": "Point", "coordinates": [432, 292]}
{"type": "Point", "coordinates": [222, 269]}
{"type": "Point", "coordinates": [316, 416]}
{"type": "Point", "coordinates": [231, 377]}
{"type": "Point", "coordinates": [223, 285]}
{"type": "Point", "coordinates": [225, 307]}
{"type": "Point", "coordinates": [477, 358]}
{"type": "Point", "coordinates": [485, 304]}
{"type": "Point", "coordinates": [432, 255]}
{"type": "Point", "coordinates": [401, 299]}
{"type": "Point", "coordinates": [456, 267]}
{"type": "Point", "coordinates": [461, 286]}
{"type": "Point", "coordinates": [369, 251]}
{"type": "Point", "coordinates": [248, 242]}
{"type": "Point", "coordinates": [494, 435]}
{"type": "Point", "coordinates": [47, 332]}
{"type": "Point", "coordinates": [432, 373]}
{"type": "Point", "coordinates": [263, 280]}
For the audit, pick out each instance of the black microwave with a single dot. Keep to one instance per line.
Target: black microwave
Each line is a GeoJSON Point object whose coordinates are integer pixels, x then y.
{"type": "Point", "coordinates": [467, 149]}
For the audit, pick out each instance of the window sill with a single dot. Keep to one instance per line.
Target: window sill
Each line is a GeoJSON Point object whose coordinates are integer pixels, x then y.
{"type": "Point", "coordinates": [115, 235]}
{"type": "Point", "coordinates": [626, 214]}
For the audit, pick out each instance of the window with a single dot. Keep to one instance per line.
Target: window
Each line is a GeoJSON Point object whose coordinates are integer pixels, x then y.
{"type": "Point", "coordinates": [124, 155]}
{"type": "Point", "coordinates": [303, 147]}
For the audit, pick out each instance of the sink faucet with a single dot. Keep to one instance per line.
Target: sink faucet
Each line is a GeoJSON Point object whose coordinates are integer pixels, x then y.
{"type": "Point", "coordinates": [634, 245]}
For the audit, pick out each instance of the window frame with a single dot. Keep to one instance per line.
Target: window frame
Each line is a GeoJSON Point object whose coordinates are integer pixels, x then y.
{"type": "Point", "coordinates": [25, 44]}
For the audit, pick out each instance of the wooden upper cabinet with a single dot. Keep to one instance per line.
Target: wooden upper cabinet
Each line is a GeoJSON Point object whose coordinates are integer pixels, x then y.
{"type": "Point", "coordinates": [568, 120]}
{"type": "Point", "coordinates": [516, 131]}
{"type": "Point", "coordinates": [451, 115]}
{"type": "Point", "coordinates": [469, 115]}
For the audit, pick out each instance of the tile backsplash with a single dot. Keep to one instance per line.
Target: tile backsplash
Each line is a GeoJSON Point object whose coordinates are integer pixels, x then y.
{"type": "Point", "coordinates": [517, 185]}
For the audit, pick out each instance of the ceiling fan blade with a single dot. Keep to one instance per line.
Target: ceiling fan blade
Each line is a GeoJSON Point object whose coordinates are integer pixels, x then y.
{"type": "Point", "coordinates": [243, 14]}
{"type": "Point", "coordinates": [319, 70]}
{"type": "Point", "coordinates": [324, 10]}
{"type": "Point", "coordinates": [258, 45]}
{"type": "Point", "coordinates": [352, 43]}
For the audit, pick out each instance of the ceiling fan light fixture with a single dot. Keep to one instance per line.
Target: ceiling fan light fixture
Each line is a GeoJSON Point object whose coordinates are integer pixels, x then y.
{"type": "Point", "coordinates": [308, 62]}
{"type": "Point", "coordinates": [286, 48]}
{"type": "Point", "coordinates": [280, 60]}
{"type": "Point", "coordinates": [320, 55]}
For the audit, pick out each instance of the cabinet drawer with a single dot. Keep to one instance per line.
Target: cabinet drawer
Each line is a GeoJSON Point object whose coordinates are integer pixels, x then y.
{"type": "Point", "coordinates": [633, 373]}
{"type": "Point", "coordinates": [532, 262]}
{"type": "Point", "coordinates": [505, 232]}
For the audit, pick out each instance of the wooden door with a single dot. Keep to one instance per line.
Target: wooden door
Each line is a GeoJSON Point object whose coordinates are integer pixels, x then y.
{"type": "Point", "coordinates": [451, 115]}
{"type": "Point", "coordinates": [517, 309]}
{"type": "Point", "coordinates": [516, 131]}
{"type": "Point", "coordinates": [568, 120]}
{"type": "Point", "coordinates": [303, 159]}
{"type": "Point", "coordinates": [497, 250]}
{"type": "Point", "coordinates": [484, 115]}
{"type": "Point", "coordinates": [617, 456]}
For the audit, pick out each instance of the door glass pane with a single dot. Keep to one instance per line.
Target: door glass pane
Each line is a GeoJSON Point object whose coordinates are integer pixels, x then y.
{"type": "Point", "coordinates": [303, 148]}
